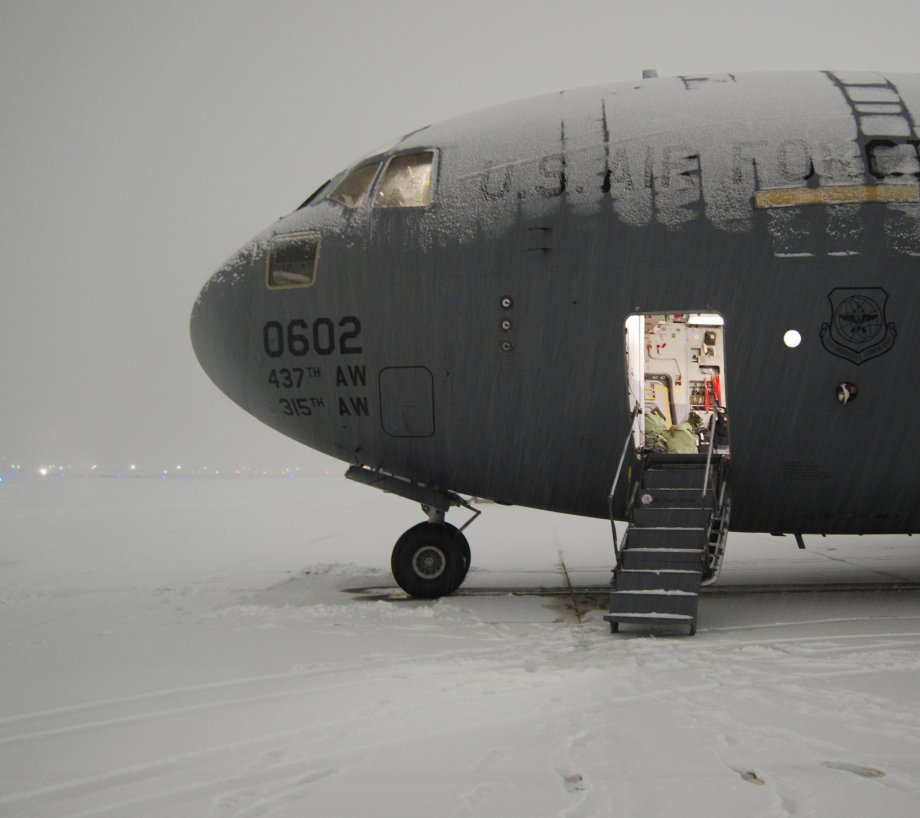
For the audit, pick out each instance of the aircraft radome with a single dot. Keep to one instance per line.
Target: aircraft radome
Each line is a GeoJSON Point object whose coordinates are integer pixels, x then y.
{"type": "Point", "coordinates": [537, 302]}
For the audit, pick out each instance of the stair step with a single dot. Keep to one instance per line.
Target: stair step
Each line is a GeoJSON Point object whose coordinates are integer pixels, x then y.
{"type": "Point", "coordinates": [649, 579]}
{"type": "Point", "coordinates": [672, 529]}
{"type": "Point", "coordinates": [673, 603]}
{"type": "Point", "coordinates": [667, 537]}
{"type": "Point", "coordinates": [674, 516]}
{"type": "Point", "coordinates": [674, 478]}
{"type": "Point", "coordinates": [635, 618]}
{"type": "Point", "coordinates": [656, 459]}
{"type": "Point", "coordinates": [661, 559]}
{"type": "Point", "coordinates": [676, 498]}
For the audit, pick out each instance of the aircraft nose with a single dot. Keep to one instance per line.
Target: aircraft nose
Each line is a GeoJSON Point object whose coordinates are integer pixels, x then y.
{"type": "Point", "coordinates": [219, 326]}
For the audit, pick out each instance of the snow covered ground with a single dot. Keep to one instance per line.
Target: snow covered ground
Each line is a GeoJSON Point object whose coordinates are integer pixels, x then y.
{"type": "Point", "coordinates": [235, 648]}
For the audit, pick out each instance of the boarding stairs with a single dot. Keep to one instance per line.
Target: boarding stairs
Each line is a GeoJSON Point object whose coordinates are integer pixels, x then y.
{"type": "Point", "coordinates": [675, 541]}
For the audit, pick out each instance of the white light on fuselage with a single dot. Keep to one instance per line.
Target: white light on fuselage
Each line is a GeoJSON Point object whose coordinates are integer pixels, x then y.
{"type": "Point", "coordinates": [706, 320]}
{"type": "Point", "coordinates": [792, 338]}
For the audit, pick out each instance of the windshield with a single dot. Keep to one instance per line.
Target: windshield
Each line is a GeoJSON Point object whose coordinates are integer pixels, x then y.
{"type": "Point", "coordinates": [353, 189]}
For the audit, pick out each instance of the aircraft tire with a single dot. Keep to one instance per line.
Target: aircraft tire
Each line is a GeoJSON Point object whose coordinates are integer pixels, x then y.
{"type": "Point", "coordinates": [430, 560]}
{"type": "Point", "coordinates": [464, 546]}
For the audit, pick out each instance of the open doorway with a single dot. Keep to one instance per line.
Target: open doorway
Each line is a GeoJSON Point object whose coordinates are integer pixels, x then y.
{"type": "Point", "coordinates": [675, 369]}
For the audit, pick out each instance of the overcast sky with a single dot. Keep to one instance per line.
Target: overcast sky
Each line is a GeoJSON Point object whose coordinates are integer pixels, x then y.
{"type": "Point", "coordinates": [142, 142]}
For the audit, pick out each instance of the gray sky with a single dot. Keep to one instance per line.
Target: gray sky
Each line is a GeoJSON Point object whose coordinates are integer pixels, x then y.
{"type": "Point", "coordinates": [142, 143]}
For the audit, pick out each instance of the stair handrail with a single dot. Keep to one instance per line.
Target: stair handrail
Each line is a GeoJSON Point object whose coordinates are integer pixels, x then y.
{"type": "Point", "coordinates": [719, 554]}
{"type": "Point", "coordinates": [712, 440]}
{"type": "Point", "coordinates": [616, 478]}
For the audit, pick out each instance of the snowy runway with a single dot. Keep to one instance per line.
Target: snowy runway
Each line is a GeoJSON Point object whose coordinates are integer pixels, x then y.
{"type": "Point", "coordinates": [234, 648]}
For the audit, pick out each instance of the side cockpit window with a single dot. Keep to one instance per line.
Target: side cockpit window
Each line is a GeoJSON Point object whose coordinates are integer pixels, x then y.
{"type": "Point", "coordinates": [353, 189]}
{"type": "Point", "coordinates": [315, 195]}
{"type": "Point", "coordinates": [406, 181]}
{"type": "Point", "coordinates": [292, 261]}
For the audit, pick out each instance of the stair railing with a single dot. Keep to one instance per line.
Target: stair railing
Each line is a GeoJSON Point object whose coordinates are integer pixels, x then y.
{"type": "Point", "coordinates": [717, 554]}
{"type": "Point", "coordinates": [616, 479]}
{"type": "Point", "coordinates": [712, 440]}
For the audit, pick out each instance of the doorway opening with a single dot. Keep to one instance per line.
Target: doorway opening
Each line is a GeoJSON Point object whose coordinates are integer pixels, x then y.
{"type": "Point", "coordinates": [675, 369]}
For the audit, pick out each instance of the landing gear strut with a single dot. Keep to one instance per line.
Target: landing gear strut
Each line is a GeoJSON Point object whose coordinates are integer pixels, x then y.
{"type": "Point", "coordinates": [430, 560]}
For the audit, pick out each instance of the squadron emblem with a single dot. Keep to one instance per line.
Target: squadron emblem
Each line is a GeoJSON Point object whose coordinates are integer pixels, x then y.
{"type": "Point", "coordinates": [857, 330]}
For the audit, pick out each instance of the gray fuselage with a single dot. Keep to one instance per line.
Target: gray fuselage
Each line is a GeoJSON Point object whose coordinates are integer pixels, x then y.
{"type": "Point", "coordinates": [475, 342]}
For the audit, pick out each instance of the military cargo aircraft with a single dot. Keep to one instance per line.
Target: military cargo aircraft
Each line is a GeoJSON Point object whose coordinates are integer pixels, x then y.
{"type": "Point", "coordinates": [561, 302]}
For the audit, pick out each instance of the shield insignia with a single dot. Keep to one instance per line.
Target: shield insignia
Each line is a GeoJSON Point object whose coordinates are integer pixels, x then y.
{"type": "Point", "coordinates": [858, 330]}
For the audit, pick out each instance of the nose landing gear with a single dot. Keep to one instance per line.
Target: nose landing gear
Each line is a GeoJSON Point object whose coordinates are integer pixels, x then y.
{"type": "Point", "coordinates": [430, 560]}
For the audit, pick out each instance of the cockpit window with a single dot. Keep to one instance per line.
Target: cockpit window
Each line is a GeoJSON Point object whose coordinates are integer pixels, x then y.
{"type": "Point", "coordinates": [406, 181]}
{"type": "Point", "coordinates": [292, 261]}
{"type": "Point", "coordinates": [315, 194]}
{"type": "Point", "coordinates": [352, 190]}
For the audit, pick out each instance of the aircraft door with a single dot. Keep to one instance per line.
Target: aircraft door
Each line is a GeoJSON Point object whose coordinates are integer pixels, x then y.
{"type": "Point", "coordinates": [635, 372]}
{"type": "Point", "coordinates": [675, 369]}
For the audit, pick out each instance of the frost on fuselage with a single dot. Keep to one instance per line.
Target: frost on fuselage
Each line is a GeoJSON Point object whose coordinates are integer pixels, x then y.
{"type": "Point", "coordinates": [674, 152]}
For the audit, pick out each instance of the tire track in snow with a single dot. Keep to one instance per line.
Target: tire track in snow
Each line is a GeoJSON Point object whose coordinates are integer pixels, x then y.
{"type": "Point", "coordinates": [156, 773]}
{"type": "Point", "coordinates": [437, 666]}
{"type": "Point", "coordinates": [798, 623]}
{"type": "Point", "coordinates": [159, 770]}
{"type": "Point", "coordinates": [25, 720]}
{"type": "Point", "coordinates": [168, 713]}
{"type": "Point", "coordinates": [318, 765]}
{"type": "Point", "coordinates": [152, 696]}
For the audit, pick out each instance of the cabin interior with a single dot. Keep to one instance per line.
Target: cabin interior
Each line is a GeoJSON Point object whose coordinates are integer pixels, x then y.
{"type": "Point", "coordinates": [675, 364]}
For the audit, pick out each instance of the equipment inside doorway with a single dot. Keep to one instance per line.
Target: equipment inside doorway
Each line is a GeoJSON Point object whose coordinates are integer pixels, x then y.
{"type": "Point", "coordinates": [675, 364]}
